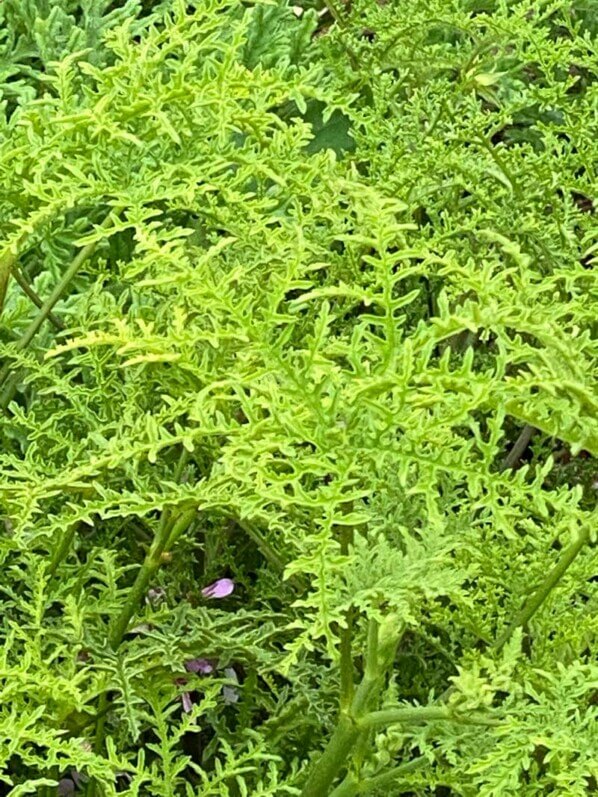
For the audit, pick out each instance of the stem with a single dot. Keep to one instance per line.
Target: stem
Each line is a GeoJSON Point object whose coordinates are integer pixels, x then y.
{"type": "Point", "coordinates": [349, 787]}
{"type": "Point", "coordinates": [181, 465]}
{"type": "Point", "coordinates": [534, 602]}
{"type": "Point", "coordinates": [178, 475]}
{"type": "Point", "coordinates": [335, 13]}
{"type": "Point", "coordinates": [166, 533]}
{"type": "Point", "coordinates": [371, 674]}
{"type": "Point", "coordinates": [7, 261]}
{"type": "Point", "coordinates": [99, 731]}
{"type": "Point", "coordinates": [346, 640]}
{"type": "Point", "coordinates": [519, 447]}
{"type": "Point", "coordinates": [348, 732]}
{"type": "Point", "coordinates": [262, 544]}
{"type": "Point", "coordinates": [417, 714]}
{"type": "Point", "coordinates": [359, 756]}
{"type": "Point", "coordinates": [385, 778]}
{"type": "Point", "coordinates": [332, 759]}
{"type": "Point", "coordinates": [491, 150]}
{"type": "Point", "coordinates": [347, 686]}
{"type": "Point", "coordinates": [409, 716]}
{"type": "Point", "coordinates": [371, 651]}
{"type": "Point", "coordinates": [364, 696]}
{"type": "Point", "coordinates": [46, 309]}
{"type": "Point", "coordinates": [35, 297]}
{"type": "Point", "coordinates": [62, 548]}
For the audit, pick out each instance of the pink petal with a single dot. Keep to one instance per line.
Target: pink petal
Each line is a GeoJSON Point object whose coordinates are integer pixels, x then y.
{"type": "Point", "coordinates": [187, 702]}
{"type": "Point", "coordinates": [219, 589]}
{"type": "Point", "coordinates": [203, 666]}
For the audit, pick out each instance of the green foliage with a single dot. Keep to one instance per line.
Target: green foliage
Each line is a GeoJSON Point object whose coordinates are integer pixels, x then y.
{"type": "Point", "coordinates": [307, 277]}
{"type": "Point", "coordinates": [36, 33]}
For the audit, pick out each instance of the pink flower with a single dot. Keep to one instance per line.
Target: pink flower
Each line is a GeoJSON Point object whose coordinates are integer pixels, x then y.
{"type": "Point", "coordinates": [219, 589]}
{"type": "Point", "coordinates": [186, 697]}
{"type": "Point", "coordinates": [202, 666]}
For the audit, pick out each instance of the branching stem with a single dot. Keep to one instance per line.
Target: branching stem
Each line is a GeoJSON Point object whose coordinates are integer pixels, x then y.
{"type": "Point", "coordinates": [417, 714]}
{"type": "Point", "coordinates": [535, 600]}
{"type": "Point", "coordinates": [27, 289]}
{"type": "Point", "coordinates": [45, 311]}
{"type": "Point", "coordinates": [348, 731]}
{"type": "Point", "coordinates": [166, 535]}
{"type": "Point", "coordinates": [168, 532]}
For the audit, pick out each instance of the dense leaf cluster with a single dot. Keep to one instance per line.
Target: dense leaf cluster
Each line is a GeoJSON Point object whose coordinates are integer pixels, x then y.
{"type": "Point", "coordinates": [304, 298]}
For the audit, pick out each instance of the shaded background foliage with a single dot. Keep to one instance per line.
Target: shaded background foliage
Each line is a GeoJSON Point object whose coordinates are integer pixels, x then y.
{"type": "Point", "coordinates": [311, 275]}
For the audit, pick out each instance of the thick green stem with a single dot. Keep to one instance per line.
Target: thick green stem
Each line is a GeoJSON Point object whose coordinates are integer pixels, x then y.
{"type": "Point", "coordinates": [365, 695]}
{"type": "Point", "coordinates": [346, 733]}
{"type": "Point", "coordinates": [346, 663]}
{"type": "Point", "coordinates": [351, 786]}
{"type": "Point", "coordinates": [348, 787]}
{"type": "Point", "coordinates": [417, 714]}
{"type": "Point", "coordinates": [99, 731]}
{"type": "Point", "coordinates": [409, 716]}
{"type": "Point", "coordinates": [378, 659]}
{"type": "Point", "coordinates": [166, 534]}
{"type": "Point", "coordinates": [332, 759]}
{"type": "Point", "coordinates": [371, 650]}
